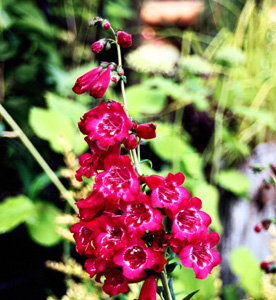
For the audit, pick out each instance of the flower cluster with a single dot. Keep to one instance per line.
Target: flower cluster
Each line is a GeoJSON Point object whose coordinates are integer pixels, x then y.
{"type": "Point", "coordinates": [120, 228]}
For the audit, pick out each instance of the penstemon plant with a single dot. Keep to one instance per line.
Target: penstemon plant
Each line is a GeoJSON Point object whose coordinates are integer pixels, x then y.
{"type": "Point", "coordinates": [131, 225]}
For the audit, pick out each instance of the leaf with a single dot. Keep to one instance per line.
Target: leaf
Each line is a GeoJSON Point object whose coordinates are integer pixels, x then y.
{"type": "Point", "coordinates": [233, 181]}
{"type": "Point", "coordinates": [190, 295]}
{"type": "Point", "coordinates": [143, 99]}
{"type": "Point", "coordinates": [170, 267]}
{"type": "Point", "coordinates": [147, 161]}
{"type": "Point", "coordinates": [14, 211]}
{"type": "Point", "coordinates": [210, 199]}
{"type": "Point", "coordinates": [56, 128]}
{"type": "Point", "coordinates": [39, 183]}
{"type": "Point", "coordinates": [71, 109]}
{"type": "Point", "coordinates": [246, 267]}
{"type": "Point", "coordinates": [42, 227]}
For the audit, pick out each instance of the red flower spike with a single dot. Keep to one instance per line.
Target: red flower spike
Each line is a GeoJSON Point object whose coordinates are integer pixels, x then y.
{"type": "Point", "coordinates": [124, 39]}
{"type": "Point", "coordinates": [140, 216]}
{"type": "Point", "coordinates": [167, 192]}
{"type": "Point", "coordinates": [115, 282]}
{"type": "Point", "coordinates": [106, 124]}
{"type": "Point", "coordinates": [199, 255]}
{"type": "Point", "coordinates": [135, 258]}
{"type": "Point", "coordinates": [84, 82]}
{"type": "Point", "coordinates": [118, 181]}
{"type": "Point", "coordinates": [146, 131]}
{"type": "Point", "coordinates": [91, 163]}
{"type": "Point", "coordinates": [130, 142]}
{"type": "Point", "coordinates": [98, 46]}
{"type": "Point", "coordinates": [148, 291]}
{"type": "Point", "coordinates": [99, 87]}
{"type": "Point", "coordinates": [189, 220]}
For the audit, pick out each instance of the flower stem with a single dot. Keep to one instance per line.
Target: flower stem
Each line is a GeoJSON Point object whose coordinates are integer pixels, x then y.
{"type": "Point", "coordinates": [134, 154]}
{"type": "Point", "coordinates": [67, 196]}
{"type": "Point", "coordinates": [164, 280]}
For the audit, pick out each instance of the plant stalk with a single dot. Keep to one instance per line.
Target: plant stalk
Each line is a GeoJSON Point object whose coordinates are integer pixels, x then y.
{"type": "Point", "coordinates": [67, 196]}
{"type": "Point", "coordinates": [166, 286]}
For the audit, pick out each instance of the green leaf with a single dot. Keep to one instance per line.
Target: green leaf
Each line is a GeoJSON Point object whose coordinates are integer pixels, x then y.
{"type": "Point", "coordinates": [14, 211]}
{"type": "Point", "coordinates": [190, 295]}
{"type": "Point", "coordinates": [42, 227]}
{"type": "Point", "coordinates": [57, 129]}
{"type": "Point", "coordinates": [143, 99]}
{"type": "Point", "coordinates": [71, 109]}
{"type": "Point", "coordinates": [233, 181]}
{"type": "Point", "coordinates": [170, 267]}
{"type": "Point", "coordinates": [246, 267]}
{"type": "Point", "coordinates": [168, 145]}
{"type": "Point", "coordinates": [210, 198]}
{"type": "Point", "coordinates": [147, 161]}
{"type": "Point", "coordinates": [39, 183]}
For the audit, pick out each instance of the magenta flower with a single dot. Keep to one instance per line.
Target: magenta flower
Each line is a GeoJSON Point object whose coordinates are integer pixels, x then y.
{"type": "Point", "coordinates": [106, 124]}
{"type": "Point", "coordinates": [99, 87]}
{"type": "Point", "coordinates": [148, 291]}
{"type": "Point", "coordinates": [111, 235]}
{"type": "Point", "coordinates": [95, 265]}
{"type": "Point", "coordinates": [135, 258]}
{"type": "Point", "coordinates": [118, 181]}
{"type": "Point", "coordinates": [141, 216]}
{"type": "Point", "coordinates": [91, 206]}
{"type": "Point", "coordinates": [84, 82]}
{"type": "Point", "coordinates": [83, 237]}
{"type": "Point", "coordinates": [188, 219]}
{"type": "Point", "coordinates": [146, 131]}
{"type": "Point", "coordinates": [115, 282]}
{"type": "Point", "coordinates": [124, 39]}
{"type": "Point", "coordinates": [97, 47]}
{"type": "Point", "coordinates": [91, 163]}
{"type": "Point", "coordinates": [167, 192]}
{"type": "Point", "coordinates": [199, 255]}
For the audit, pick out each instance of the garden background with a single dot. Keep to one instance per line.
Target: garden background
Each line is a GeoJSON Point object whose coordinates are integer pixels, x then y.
{"type": "Point", "coordinates": [203, 71]}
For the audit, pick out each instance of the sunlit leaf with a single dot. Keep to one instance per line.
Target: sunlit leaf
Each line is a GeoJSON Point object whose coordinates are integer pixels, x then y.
{"type": "Point", "coordinates": [14, 211]}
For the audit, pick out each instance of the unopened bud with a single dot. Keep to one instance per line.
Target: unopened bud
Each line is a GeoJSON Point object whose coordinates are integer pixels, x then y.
{"type": "Point", "coordinates": [107, 46]}
{"type": "Point", "coordinates": [120, 71]}
{"type": "Point", "coordinates": [98, 46]}
{"type": "Point", "coordinates": [94, 21]}
{"type": "Point", "coordinates": [106, 24]}
{"type": "Point", "coordinates": [146, 131]}
{"type": "Point", "coordinates": [258, 228]}
{"type": "Point", "coordinates": [124, 39]}
{"type": "Point", "coordinates": [130, 142]}
{"type": "Point", "coordinates": [266, 223]}
{"type": "Point", "coordinates": [115, 77]}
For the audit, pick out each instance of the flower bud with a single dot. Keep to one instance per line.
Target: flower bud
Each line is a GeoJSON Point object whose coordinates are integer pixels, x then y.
{"type": "Point", "coordinates": [106, 24]}
{"type": "Point", "coordinates": [98, 46]}
{"type": "Point", "coordinates": [146, 131]}
{"type": "Point", "coordinates": [107, 46]}
{"type": "Point", "coordinates": [266, 223]}
{"type": "Point", "coordinates": [120, 71]}
{"type": "Point", "coordinates": [258, 228]}
{"type": "Point", "coordinates": [130, 142]}
{"type": "Point", "coordinates": [94, 21]}
{"type": "Point", "coordinates": [115, 77]}
{"type": "Point", "coordinates": [124, 39]}
{"type": "Point", "coordinates": [268, 266]}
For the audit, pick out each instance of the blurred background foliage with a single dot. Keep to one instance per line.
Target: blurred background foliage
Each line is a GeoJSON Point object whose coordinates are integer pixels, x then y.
{"type": "Point", "coordinates": [210, 88]}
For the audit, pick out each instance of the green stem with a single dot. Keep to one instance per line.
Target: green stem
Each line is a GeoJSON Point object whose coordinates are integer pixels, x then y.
{"type": "Point", "coordinates": [166, 286]}
{"type": "Point", "coordinates": [134, 154]}
{"type": "Point", "coordinates": [67, 196]}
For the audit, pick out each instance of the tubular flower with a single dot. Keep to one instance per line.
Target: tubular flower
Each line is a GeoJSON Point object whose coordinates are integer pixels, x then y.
{"type": "Point", "coordinates": [99, 87]}
{"type": "Point", "coordinates": [167, 192]}
{"type": "Point", "coordinates": [135, 258]}
{"type": "Point", "coordinates": [146, 131]}
{"type": "Point", "coordinates": [141, 216]}
{"type": "Point", "coordinates": [91, 163]}
{"type": "Point", "coordinates": [148, 291]}
{"type": "Point", "coordinates": [118, 181]}
{"type": "Point", "coordinates": [84, 82]}
{"type": "Point", "coordinates": [189, 220]}
{"type": "Point", "coordinates": [106, 124]}
{"type": "Point", "coordinates": [115, 282]}
{"type": "Point", "coordinates": [199, 255]}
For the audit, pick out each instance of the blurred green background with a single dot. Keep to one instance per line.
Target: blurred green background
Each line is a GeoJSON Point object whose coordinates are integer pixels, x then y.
{"type": "Point", "coordinates": [207, 80]}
